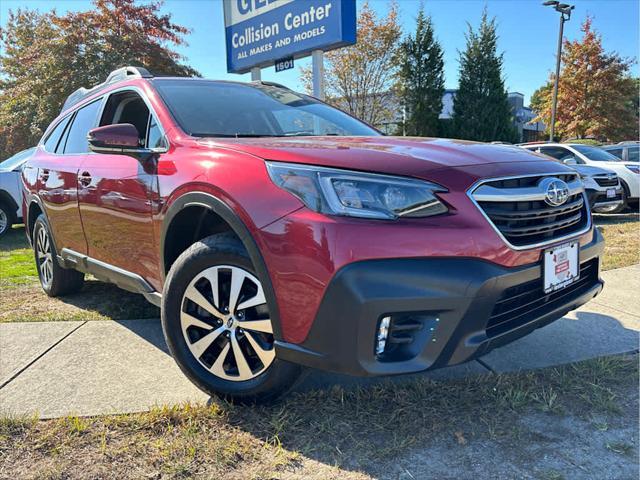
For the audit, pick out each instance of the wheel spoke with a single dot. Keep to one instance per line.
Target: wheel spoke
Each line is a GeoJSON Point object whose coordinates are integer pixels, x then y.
{"type": "Point", "coordinates": [211, 274]}
{"type": "Point", "coordinates": [218, 366]}
{"type": "Point", "coordinates": [244, 370]}
{"type": "Point", "coordinates": [265, 356]}
{"type": "Point", "coordinates": [196, 297]}
{"type": "Point", "coordinates": [237, 279]}
{"type": "Point", "coordinates": [188, 321]}
{"type": "Point", "coordinates": [257, 299]}
{"type": "Point", "coordinates": [257, 325]}
{"type": "Point", "coordinates": [199, 347]}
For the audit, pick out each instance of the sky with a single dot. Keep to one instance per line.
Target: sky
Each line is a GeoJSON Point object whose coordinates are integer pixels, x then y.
{"type": "Point", "coordinates": [528, 33]}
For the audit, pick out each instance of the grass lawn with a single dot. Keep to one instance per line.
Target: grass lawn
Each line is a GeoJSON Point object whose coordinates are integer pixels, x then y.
{"type": "Point", "coordinates": [622, 237]}
{"type": "Point", "coordinates": [575, 421]}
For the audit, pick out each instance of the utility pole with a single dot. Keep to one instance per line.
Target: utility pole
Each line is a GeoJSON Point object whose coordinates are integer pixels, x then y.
{"type": "Point", "coordinates": [565, 15]}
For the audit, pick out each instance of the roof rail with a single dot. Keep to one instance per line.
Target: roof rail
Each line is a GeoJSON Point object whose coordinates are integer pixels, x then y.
{"type": "Point", "coordinates": [118, 75]}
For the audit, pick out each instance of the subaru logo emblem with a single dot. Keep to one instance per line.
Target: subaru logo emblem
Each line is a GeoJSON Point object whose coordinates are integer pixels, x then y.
{"type": "Point", "coordinates": [556, 192]}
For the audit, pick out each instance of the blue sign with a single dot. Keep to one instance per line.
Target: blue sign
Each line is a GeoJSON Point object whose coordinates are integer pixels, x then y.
{"type": "Point", "coordinates": [259, 32]}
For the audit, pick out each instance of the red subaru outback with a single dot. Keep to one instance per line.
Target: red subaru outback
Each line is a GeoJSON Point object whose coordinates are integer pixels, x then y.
{"type": "Point", "coordinates": [277, 232]}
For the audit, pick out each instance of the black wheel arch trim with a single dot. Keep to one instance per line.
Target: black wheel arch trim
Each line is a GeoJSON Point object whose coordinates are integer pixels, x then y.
{"type": "Point", "coordinates": [223, 210]}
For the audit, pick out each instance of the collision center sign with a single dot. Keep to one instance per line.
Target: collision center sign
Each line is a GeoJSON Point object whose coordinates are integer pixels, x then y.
{"type": "Point", "coordinates": [259, 32]}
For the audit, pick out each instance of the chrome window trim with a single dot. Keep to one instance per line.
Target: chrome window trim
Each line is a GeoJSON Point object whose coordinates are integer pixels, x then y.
{"type": "Point", "coordinates": [558, 240]}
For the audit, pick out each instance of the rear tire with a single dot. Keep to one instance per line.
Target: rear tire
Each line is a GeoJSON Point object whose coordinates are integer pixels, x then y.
{"type": "Point", "coordinates": [6, 219]}
{"type": "Point", "coordinates": [54, 279]}
{"type": "Point", "coordinates": [216, 323]}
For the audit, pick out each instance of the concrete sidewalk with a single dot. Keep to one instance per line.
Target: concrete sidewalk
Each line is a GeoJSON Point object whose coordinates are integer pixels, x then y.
{"type": "Point", "coordinates": [89, 368]}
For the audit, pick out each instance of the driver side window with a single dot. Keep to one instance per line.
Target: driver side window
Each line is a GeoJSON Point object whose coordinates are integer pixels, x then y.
{"type": "Point", "coordinates": [129, 107]}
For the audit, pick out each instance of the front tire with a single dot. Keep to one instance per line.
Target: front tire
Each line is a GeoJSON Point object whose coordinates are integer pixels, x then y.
{"type": "Point", "coordinates": [6, 219]}
{"type": "Point", "coordinates": [54, 279]}
{"type": "Point", "coordinates": [217, 325]}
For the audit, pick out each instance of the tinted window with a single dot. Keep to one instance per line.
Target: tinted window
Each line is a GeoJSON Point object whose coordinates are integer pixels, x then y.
{"type": "Point", "coordinates": [84, 121]}
{"type": "Point", "coordinates": [52, 140]}
{"type": "Point", "coordinates": [155, 135]}
{"type": "Point", "coordinates": [633, 154]}
{"type": "Point", "coordinates": [555, 152]}
{"type": "Point", "coordinates": [596, 154]}
{"type": "Point", "coordinates": [615, 151]}
{"type": "Point", "coordinates": [206, 108]}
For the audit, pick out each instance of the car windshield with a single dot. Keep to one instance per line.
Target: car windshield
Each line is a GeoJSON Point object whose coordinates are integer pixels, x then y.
{"type": "Point", "coordinates": [17, 160]}
{"type": "Point", "coordinates": [206, 108]}
{"type": "Point", "coordinates": [596, 154]}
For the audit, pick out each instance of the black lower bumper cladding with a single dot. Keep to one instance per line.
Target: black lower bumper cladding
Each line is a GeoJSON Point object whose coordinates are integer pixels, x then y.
{"type": "Point", "coordinates": [462, 307]}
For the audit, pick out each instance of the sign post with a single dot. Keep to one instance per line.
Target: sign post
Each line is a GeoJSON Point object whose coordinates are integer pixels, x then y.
{"type": "Point", "coordinates": [260, 32]}
{"type": "Point", "coordinates": [317, 70]}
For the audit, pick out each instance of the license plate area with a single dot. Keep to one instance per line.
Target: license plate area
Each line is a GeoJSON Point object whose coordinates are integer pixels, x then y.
{"type": "Point", "coordinates": [611, 193]}
{"type": "Point", "coordinates": [561, 266]}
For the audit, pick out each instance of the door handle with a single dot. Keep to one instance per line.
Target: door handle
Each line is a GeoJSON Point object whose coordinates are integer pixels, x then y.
{"type": "Point", "coordinates": [85, 179]}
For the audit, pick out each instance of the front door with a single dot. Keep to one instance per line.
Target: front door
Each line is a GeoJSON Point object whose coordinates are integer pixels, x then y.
{"type": "Point", "coordinates": [117, 194]}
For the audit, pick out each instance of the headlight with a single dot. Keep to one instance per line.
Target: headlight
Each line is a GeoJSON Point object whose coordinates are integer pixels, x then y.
{"type": "Point", "coordinates": [588, 182]}
{"type": "Point", "coordinates": [356, 194]}
{"type": "Point", "coordinates": [634, 168]}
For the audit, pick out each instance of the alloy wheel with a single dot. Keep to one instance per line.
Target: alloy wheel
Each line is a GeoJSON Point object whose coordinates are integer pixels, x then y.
{"type": "Point", "coordinates": [44, 257]}
{"type": "Point", "coordinates": [4, 221]}
{"type": "Point", "coordinates": [225, 322]}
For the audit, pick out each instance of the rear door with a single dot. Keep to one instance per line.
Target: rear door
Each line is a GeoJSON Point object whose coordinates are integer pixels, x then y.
{"type": "Point", "coordinates": [58, 161]}
{"type": "Point", "coordinates": [117, 194]}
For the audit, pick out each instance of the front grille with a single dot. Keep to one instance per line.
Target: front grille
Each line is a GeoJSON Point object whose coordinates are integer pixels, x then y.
{"type": "Point", "coordinates": [517, 209]}
{"type": "Point", "coordinates": [523, 303]}
{"type": "Point", "coordinates": [606, 181]}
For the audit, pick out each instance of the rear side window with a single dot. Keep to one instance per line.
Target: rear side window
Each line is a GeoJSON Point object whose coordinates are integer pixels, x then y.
{"type": "Point", "coordinates": [51, 143]}
{"type": "Point", "coordinates": [633, 154]}
{"type": "Point", "coordinates": [84, 121]}
{"type": "Point", "coordinates": [615, 151]}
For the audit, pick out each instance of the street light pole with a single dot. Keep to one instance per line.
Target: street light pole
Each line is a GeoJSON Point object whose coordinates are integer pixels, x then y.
{"type": "Point", "coordinates": [565, 15]}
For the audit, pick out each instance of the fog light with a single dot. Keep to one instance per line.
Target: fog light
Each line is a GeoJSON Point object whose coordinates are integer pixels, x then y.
{"type": "Point", "coordinates": [383, 332]}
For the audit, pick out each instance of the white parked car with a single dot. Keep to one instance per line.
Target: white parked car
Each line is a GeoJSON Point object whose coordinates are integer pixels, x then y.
{"type": "Point", "coordinates": [602, 187]}
{"type": "Point", "coordinates": [11, 189]}
{"type": "Point", "coordinates": [578, 154]}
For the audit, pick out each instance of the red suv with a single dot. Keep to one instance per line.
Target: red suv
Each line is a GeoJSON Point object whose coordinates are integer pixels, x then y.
{"type": "Point", "coordinates": [278, 232]}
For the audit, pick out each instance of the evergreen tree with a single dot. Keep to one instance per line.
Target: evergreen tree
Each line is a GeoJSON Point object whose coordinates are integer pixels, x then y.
{"type": "Point", "coordinates": [481, 110]}
{"type": "Point", "coordinates": [421, 79]}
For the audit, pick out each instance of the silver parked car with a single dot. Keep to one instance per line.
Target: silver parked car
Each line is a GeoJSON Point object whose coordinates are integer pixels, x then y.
{"type": "Point", "coordinates": [11, 190]}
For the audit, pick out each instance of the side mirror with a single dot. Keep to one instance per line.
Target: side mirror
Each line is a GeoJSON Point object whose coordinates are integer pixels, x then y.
{"type": "Point", "coordinates": [118, 138]}
{"type": "Point", "coordinates": [570, 161]}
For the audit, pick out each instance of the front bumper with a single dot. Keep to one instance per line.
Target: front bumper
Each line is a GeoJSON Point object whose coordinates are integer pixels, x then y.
{"type": "Point", "coordinates": [459, 308]}
{"type": "Point", "coordinates": [600, 202]}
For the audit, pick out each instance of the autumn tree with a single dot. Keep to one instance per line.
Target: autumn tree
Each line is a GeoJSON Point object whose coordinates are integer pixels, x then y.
{"type": "Point", "coordinates": [481, 110]}
{"type": "Point", "coordinates": [45, 57]}
{"type": "Point", "coordinates": [421, 79]}
{"type": "Point", "coordinates": [596, 96]}
{"type": "Point", "coordinates": [359, 78]}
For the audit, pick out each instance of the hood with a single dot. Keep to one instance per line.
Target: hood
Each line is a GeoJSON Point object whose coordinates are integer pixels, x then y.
{"type": "Point", "coordinates": [589, 170]}
{"type": "Point", "coordinates": [413, 156]}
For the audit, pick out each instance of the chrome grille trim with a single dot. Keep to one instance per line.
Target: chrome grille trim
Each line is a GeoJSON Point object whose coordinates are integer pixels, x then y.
{"type": "Point", "coordinates": [487, 193]}
{"type": "Point", "coordinates": [481, 184]}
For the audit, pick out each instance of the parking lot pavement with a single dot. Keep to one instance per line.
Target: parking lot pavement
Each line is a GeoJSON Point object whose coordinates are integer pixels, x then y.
{"type": "Point", "coordinates": [89, 368]}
